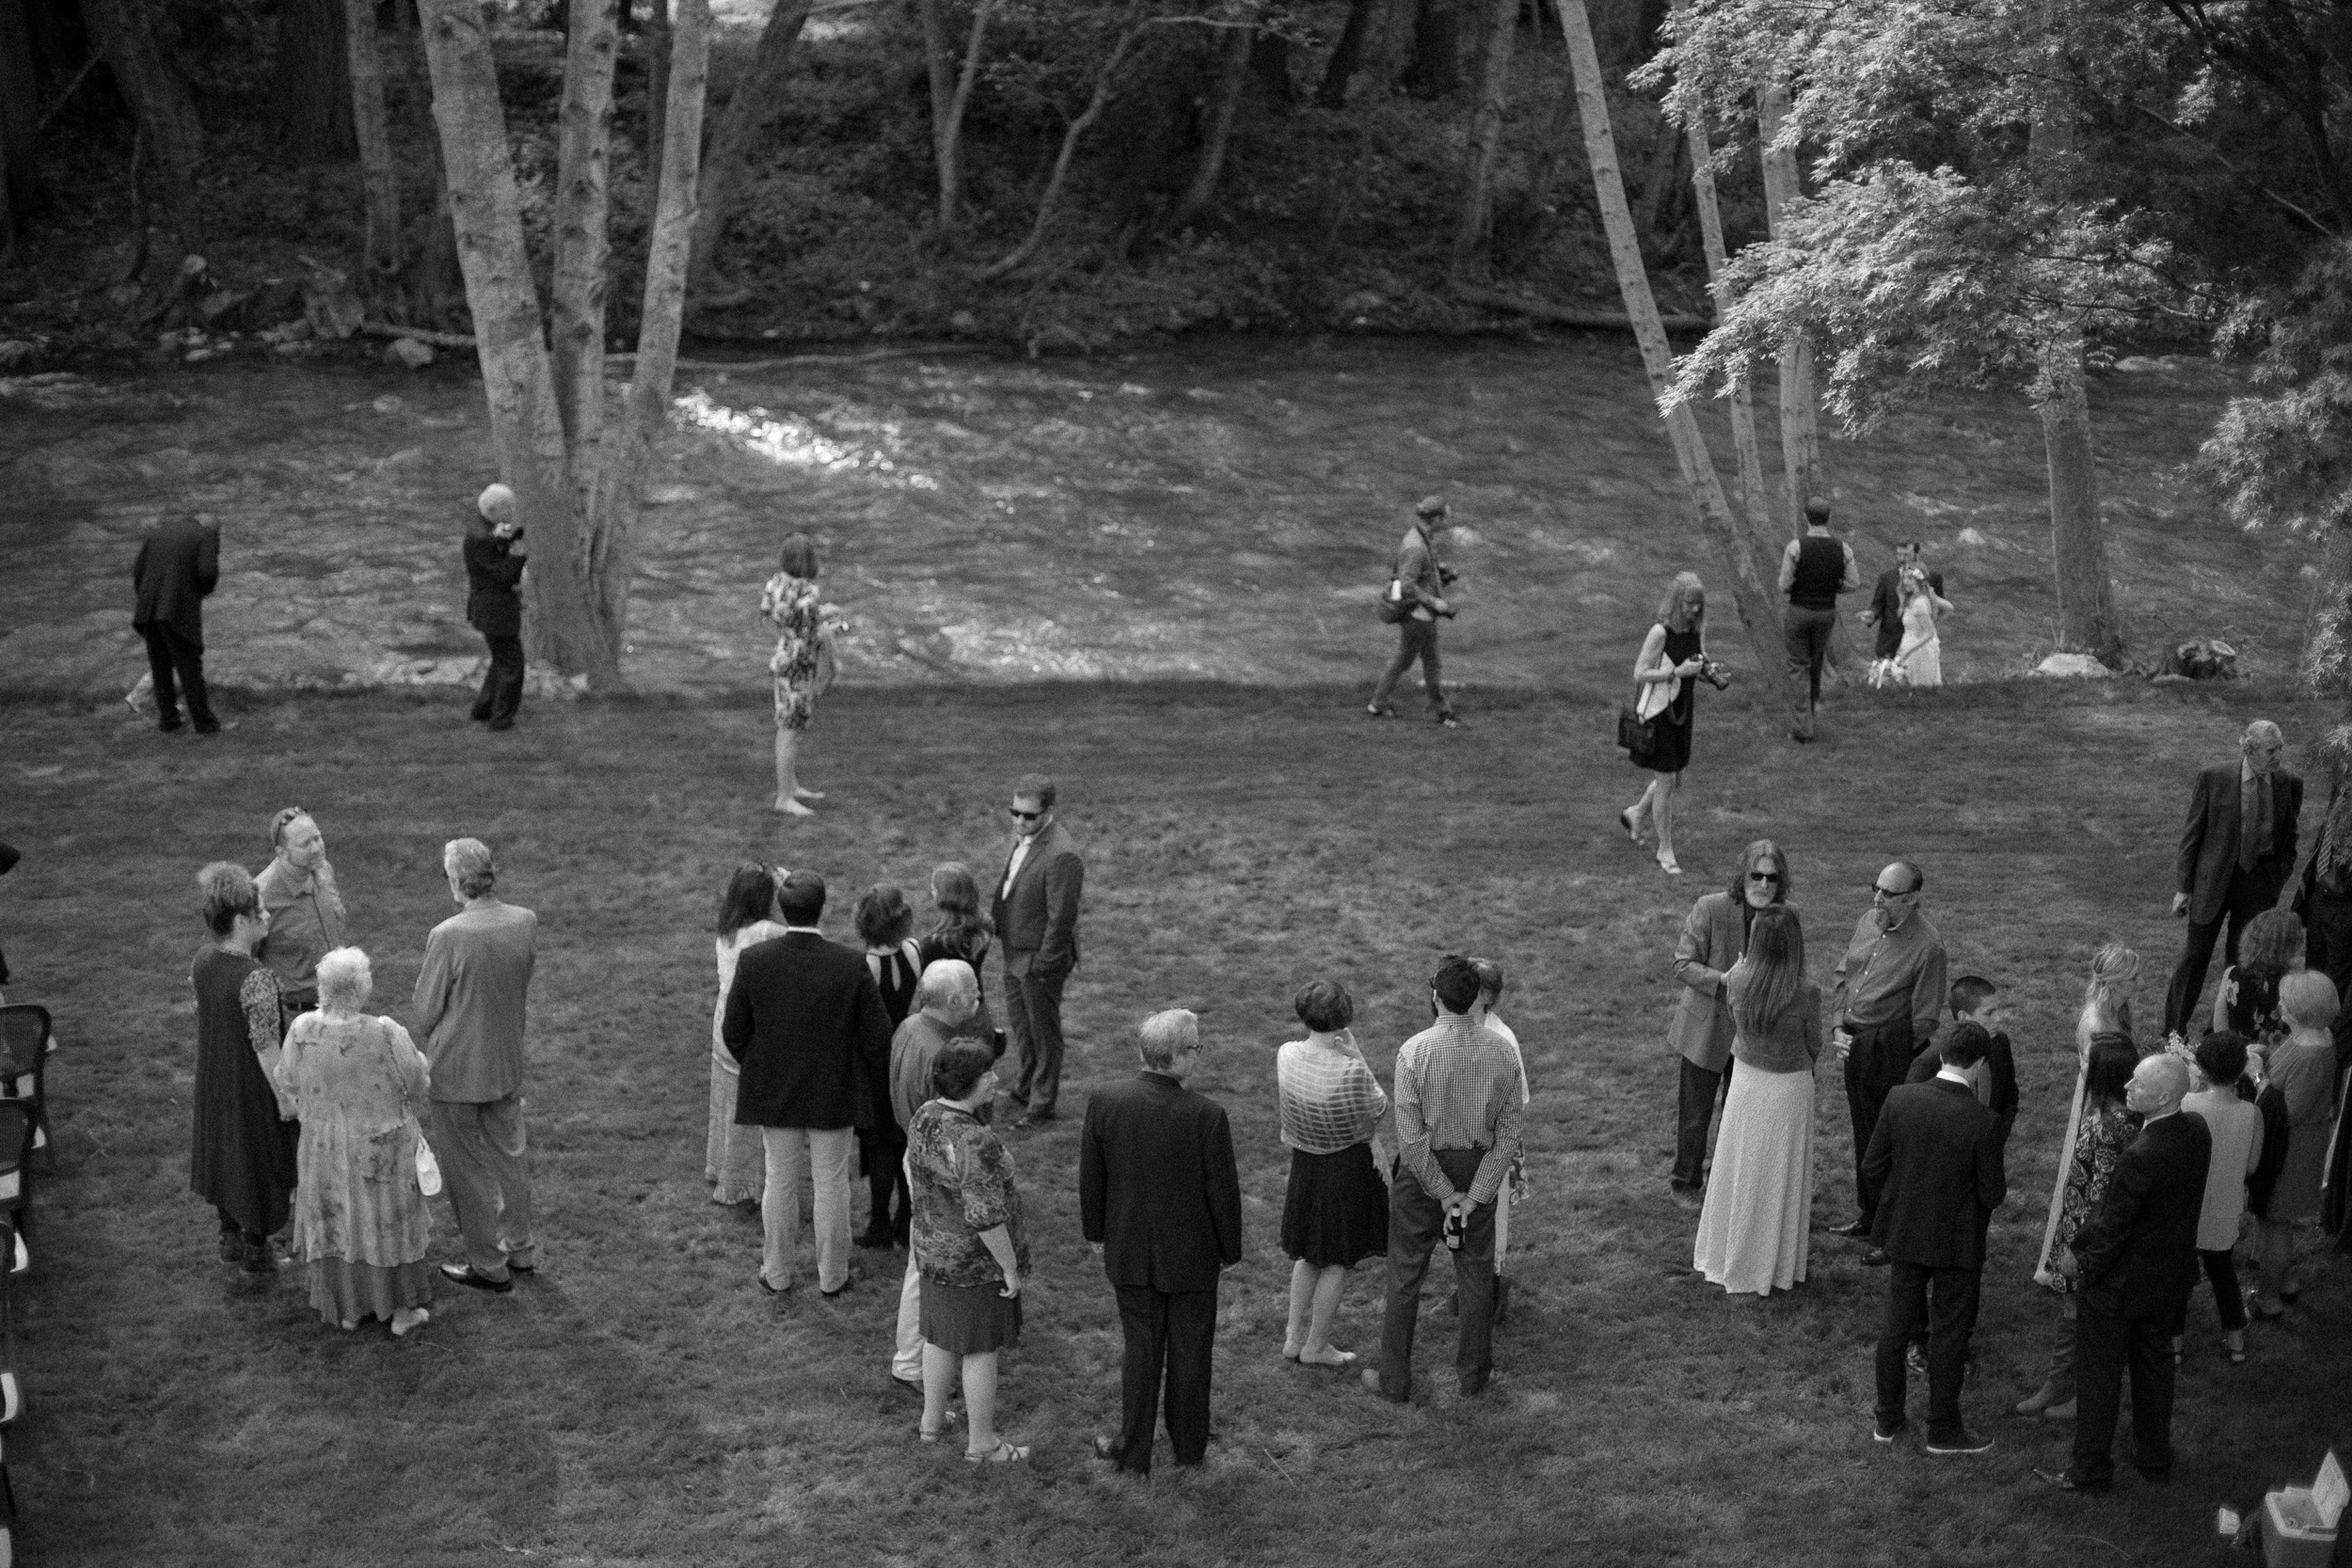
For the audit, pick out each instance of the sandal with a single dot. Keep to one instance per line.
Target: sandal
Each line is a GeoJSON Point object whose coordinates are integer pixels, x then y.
{"type": "Point", "coordinates": [2235, 1345]}
{"type": "Point", "coordinates": [949, 1419]}
{"type": "Point", "coordinates": [1003, 1453]}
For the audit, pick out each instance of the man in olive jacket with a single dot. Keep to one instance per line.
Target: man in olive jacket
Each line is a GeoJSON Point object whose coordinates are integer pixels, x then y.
{"type": "Point", "coordinates": [495, 555]}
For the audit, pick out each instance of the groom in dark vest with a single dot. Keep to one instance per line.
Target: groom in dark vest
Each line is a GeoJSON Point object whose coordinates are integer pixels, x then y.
{"type": "Point", "coordinates": [1814, 570]}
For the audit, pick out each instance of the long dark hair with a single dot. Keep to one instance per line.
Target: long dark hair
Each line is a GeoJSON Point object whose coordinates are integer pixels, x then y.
{"type": "Point", "coordinates": [1769, 975]}
{"type": "Point", "coordinates": [2109, 1070]}
{"type": "Point", "coordinates": [961, 919]}
{"type": "Point", "coordinates": [750, 898]}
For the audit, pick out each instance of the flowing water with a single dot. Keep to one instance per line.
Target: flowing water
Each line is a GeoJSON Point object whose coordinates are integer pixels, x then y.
{"type": "Point", "coordinates": [1225, 512]}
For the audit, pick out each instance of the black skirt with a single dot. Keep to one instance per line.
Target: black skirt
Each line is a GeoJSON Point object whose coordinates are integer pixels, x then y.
{"type": "Point", "coordinates": [1336, 1212]}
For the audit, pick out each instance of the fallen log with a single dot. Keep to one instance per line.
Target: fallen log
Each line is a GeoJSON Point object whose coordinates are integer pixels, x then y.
{"type": "Point", "coordinates": [1560, 315]}
{"type": "Point", "coordinates": [438, 340]}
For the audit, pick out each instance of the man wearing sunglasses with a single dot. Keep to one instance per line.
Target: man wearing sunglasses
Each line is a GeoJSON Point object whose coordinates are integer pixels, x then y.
{"type": "Point", "coordinates": [1889, 995]}
{"type": "Point", "coordinates": [1037, 920]}
{"type": "Point", "coordinates": [1714, 934]}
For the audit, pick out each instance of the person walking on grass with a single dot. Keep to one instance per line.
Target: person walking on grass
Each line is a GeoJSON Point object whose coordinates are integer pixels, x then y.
{"type": "Point", "coordinates": [1456, 1098]}
{"type": "Point", "coordinates": [495, 553]}
{"type": "Point", "coordinates": [1036, 917]}
{"type": "Point", "coordinates": [1887, 1000]}
{"type": "Point", "coordinates": [178, 566]}
{"type": "Point", "coordinates": [1935, 1157]}
{"type": "Point", "coordinates": [472, 999]}
{"type": "Point", "coordinates": [804, 1021]}
{"type": "Point", "coordinates": [1814, 570]}
{"type": "Point", "coordinates": [2236, 851]}
{"type": "Point", "coordinates": [2136, 1262]}
{"type": "Point", "coordinates": [1885, 615]}
{"type": "Point", "coordinates": [1159, 1198]}
{"type": "Point", "coordinates": [1415, 599]}
{"type": "Point", "coordinates": [1714, 935]}
{"type": "Point", "coordinates": [1666, 674]}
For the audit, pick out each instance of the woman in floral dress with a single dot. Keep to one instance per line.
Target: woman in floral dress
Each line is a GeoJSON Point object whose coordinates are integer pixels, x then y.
{"type": "Point", "coordinates": [801, 664]}
{"type": "Point", "coordinates": [2106, 1129]}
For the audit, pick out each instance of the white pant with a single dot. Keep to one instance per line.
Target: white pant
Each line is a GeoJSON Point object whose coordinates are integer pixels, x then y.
{"type": "Point", "coordinates": [831, 1152]}
{"type": "Point", "coordinates": [906, 1359]}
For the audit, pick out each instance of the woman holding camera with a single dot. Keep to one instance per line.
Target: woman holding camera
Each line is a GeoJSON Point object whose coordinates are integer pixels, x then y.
{"type": "Point", "coordinates": [1672, 656]}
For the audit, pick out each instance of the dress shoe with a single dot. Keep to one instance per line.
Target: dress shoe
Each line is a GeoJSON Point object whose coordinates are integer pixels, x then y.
{"type": "Point", "coordinates": [1962, 1441]}
{"type": "Point", "coordinates": [481, 715]}
{"type": "Point", "coordinates": [768, 1289]}
{"type": "Point", "coordinates": [1034, 1119]}
{"type": "Point", "coordinates": [167, 726]}
{"type": "Point", "coordinates": [2060, 1412]}
{"type": "Point", "coordinates": [1886, 1432]}
{"type": "Point", "coordinates": [514, 1267]}
{"type": "Point", "coordinates": [841, 1289]}
{"type": "Point", "coordinates": [2067, 1481]}
{"type": "Point", "coordinates": [2154, 1477]}
{"type": "Point", "coordinates": [2040, 1400]}
{"type": "Point", "coordinates": [1857, 1229]}
{"type": "Point", "coordinates": [879, 1241]}
{"type": "Point", "coordinates": [463, 1273]}
{"type": "Point", "coordinates": [502, 723]}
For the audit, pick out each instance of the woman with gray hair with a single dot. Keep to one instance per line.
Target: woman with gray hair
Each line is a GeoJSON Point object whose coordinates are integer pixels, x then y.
{"type": "Point", "coordinates": [243, 1161]}
{"type": "Point", "coordinates": [360, 1222]}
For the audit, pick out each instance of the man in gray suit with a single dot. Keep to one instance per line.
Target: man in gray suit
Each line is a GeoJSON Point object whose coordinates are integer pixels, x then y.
{"type": "Point", "coordinates": [1037, 921]}
{"type": "Point", "coordinates": [468, 1012]}
{"type": "Point", "coordinates": [2236, 852]}
{"type": "Point", "coordinates": [1714, 934]}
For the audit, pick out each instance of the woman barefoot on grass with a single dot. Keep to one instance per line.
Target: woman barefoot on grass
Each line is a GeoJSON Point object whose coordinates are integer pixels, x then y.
{"type": "Point", "coordinates": [801, 664]}
{"type": "Point", "coordinates": [1672, 655]}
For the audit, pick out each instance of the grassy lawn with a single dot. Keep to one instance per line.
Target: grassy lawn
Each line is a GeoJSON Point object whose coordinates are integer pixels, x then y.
{"type": "Point", "coordinates": [641, 1401]}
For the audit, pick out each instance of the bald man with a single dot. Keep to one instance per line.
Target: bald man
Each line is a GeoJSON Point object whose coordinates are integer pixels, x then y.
{"type": "Point", "coordinates": [2134, 1263]}
{"type": "Point", "coordinates": [494, 565]}
{"type": "Point", "coordinates": [2236, 854]}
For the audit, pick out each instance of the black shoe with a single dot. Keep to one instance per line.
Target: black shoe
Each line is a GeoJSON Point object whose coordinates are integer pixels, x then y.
{"type": "Point", "coordinates": [462, 1274]}
{"type": "Point", "coordinates": [167, 726]}
{"type": "Point", "coordinates": [1876, 1258]}
{"type": "Point", "coordinates": [479, 715]}
{"type": "Point", "coordinates": [766, 1289]}
{"type": "Point", "coordinates": [1962, 1441]}
{"type": "Point", "coordinates": [878, 1240]}
{"type": "Point", "coordinates": [846, 1285]}
{"type": "Point", "coordinates": [504, 724]}
{"type": "Point", "coordinates": [1885, 1432]}
{"type": "Point", "coordinates": [2067, 1481]}
{"type": "Point", "coordinates": [513, 1267]}
{"type": "Point", "coordinates": [232, 1248]}
{"type": "Point", "coordinates": [1106, 1448]}
{"type": "Point", "coordinates": [207, 726]}
{"type": "Point", "coordinates": [1800, 737]}
{"type": "Point", "coordinates": [2155, 1478]}
{"type": "Point", "coordinates": [1857, 1229]}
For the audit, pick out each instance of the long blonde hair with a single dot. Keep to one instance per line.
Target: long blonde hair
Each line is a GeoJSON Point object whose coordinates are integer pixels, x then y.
{"type": "Point", "coordinates": [2107, 1002]}
{"type": "Point", "coordinates": [1673, 610]}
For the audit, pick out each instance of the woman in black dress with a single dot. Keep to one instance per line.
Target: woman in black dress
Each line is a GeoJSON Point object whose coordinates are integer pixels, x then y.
{"type": "Point", "coordinates": [883, 922]}
{"type": "Point", "coordinates": [243, 1161]}
{"type": "Point", "coordinates": [1672, 657]}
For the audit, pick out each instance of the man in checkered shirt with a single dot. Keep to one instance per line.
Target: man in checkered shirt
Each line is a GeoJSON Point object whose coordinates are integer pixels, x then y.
{"type": "Point", "coordinates": [1458, 1129]}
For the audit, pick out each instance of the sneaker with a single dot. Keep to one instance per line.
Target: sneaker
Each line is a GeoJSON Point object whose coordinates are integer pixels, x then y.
{"type": "Point", "coordinates": [1962, 1441]}
{"type": "Point", "coordinates": [1886, 1431]}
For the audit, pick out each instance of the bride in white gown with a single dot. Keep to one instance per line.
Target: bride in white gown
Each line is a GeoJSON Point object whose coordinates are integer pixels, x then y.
{"type": "Point", "coordinates": [1920, 660]}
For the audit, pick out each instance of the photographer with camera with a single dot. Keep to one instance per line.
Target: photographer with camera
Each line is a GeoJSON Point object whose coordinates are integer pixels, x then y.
{"type": "Point", "coordinates": [494, 565]}
{"type": "Point", "coordinates": [1672, 656]}
{"type": "Point", "coordinates": [1413, 601]}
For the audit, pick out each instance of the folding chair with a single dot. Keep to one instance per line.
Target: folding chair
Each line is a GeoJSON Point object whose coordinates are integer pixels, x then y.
{"type": "Point", "coordinates": [18, 1121]}
{"type": "Point", "coordinates": [25, 1044]}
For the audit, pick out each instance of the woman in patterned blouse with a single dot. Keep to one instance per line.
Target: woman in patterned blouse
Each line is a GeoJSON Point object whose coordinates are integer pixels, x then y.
{"type": "Point", "coordinates": [2106, 1130]}
{"type": "Point", "coordinates": [789, 603]}
{"type": "Point", "coordinates": [243, 1160]}
{"type": "Point", "coordinates": [968, 1249]}
{"type": "Point", "coordinates": [1336, 1212]}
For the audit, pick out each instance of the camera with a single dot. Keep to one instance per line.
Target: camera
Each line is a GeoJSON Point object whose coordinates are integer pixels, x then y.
{"type": "Point", "coordinates": [1448, 576]}
{"type": "Point", "coordinates": [1716, 673]}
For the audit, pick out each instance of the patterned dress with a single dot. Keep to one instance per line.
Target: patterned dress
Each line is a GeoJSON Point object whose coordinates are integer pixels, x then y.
{"type": "Point", "coordinates": [360, 1220]}
{"type": "Point", "coordinates": [2107, 1131]}
{"type": "Point", "coordinates": [790, 604]}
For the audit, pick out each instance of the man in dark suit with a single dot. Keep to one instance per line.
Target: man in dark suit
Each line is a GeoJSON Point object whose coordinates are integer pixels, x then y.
{"type": "Point", "coordinates": [2236, 853]}
{"type": "Point", "coordinates": [2134, 1263]}
{"type": "Point", "coordinates": [495, 554]}
{"type": "Point", "coordinates": [1037, 921]}
{"type": "Point", "coordinates": [806, 1021]}
{"type": "Point", "coordinates": [178, 565]}
{"type": "Point", "coordinates": [1936, 1158]}
{"type": "Point", "coordinates": [1159, 1198]}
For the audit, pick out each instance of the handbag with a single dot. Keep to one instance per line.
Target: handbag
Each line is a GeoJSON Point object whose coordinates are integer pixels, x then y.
{"type": "Point", "coordinates": [1393, 606]}
{"type": "Point", "coordinates": [1636, 735]}
{"type": "Point", "coordinates": [428, 1169]}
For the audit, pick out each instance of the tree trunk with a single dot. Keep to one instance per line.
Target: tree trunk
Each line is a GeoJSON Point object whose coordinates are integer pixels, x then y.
{"type": "Point", "coordinates": [378, 180]}
{"type": "Point", "coordinates": [1232, 74]}
{"type": "Point", "coordinates": [1436, 50]}
{"type": "Point", "coordinates": [1345, 56]}
{"type": "Point", "coordinates": [1486, 138]}
{"type": "Point", "coordinates": [1130, 29]}
{"type": "Point", "coordinates": [159, 100]}
{"type": "Point", "coordinates": [1752, 502]}
{"type": "Point", "coordinates": [583, 247]}
{"type": "Point", "coordinates": [518, 380]}
{"type": "Point", "coordinates": [1390, 43]}
{"type": "Point", "coordinates": [1800, 415]}
{"type": "Point", "coordinates": [2088, 620]}
{"type": "Point", "coordinates": [312, 87]}
{"type": "Point", "coordinates": [757, 92]}
{"type": "Point", "coordinates": [951, 94]}
{"type": "Point", "coordinates": [20, 121]}
{"type": "Point", "coordinates": [656, 105]}
{"type": "Point", "coordinates": [621, 492]}
{"type": "Point", "coordinates": [1759, 613]}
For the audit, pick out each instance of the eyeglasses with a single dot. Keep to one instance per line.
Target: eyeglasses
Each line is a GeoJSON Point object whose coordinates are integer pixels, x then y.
{"type": "Point", "coordinates": [1772, 876]}
{"type": "Point", "coordinates": [1890, 894]}
{"type": "Point", "coordinates": [1026, 815]}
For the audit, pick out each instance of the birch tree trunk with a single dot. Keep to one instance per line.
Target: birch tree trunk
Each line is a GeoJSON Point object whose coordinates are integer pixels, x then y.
{"type": "Point", "coordinates": [1486, 137]}
{"type": "Point", "coordinates": [657, 107]}
{"type": "Point", "coordinates": [583, 211]}
{"type": "Point", "coordinates": [951, 94]}
{"type": "Point", "coordinates": [757, 92]}
{"type": "Point", "coordinates": [1800, 415]}
{"type": "Point", "coordinates": [1752, 594]}
{"type": "Point", "coordinates": [379, 182]}
{"type": "Point", "coordinates": [1742, 403]}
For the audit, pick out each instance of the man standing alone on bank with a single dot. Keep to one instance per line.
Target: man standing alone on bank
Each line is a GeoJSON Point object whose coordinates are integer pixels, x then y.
{"type": "Point", "coordinates": [1037, 920]}
{"type": "Point", "coordinates": [1415, 598]}
{"type": "Point", "coordinates": [470, 1007]}
{"type": "Point", "coordinates": [2236, 854]}
{"type": "Point", "coordinates": [1814, 570]}
{"type": "Point", "coordinates": [494, 564]}
{"type": "Point", "coordinates": [1888, 998]}
{"type": "Point", "coordinates": [178, 565]}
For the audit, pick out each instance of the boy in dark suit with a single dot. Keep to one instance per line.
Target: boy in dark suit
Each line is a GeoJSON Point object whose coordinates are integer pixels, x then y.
{"type": "Point", "coordinates": [1935, 1155]}
{"type": "Point", "coordinates": [1160, 1199]}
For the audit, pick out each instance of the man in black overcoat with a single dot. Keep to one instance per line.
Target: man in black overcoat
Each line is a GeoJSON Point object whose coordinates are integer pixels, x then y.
{"type": "Point", "coordinates": [2236, 851]}
{"type": "Point", "coordinates": [178, 565]}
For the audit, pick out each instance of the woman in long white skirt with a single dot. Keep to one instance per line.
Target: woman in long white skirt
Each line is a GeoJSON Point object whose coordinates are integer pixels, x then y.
{"type": "Point", "coordinates": [1753, 1229]}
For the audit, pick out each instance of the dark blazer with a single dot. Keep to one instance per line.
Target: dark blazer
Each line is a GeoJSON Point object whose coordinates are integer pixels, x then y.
{"type": "Point", "coordinates": [2209, 842]}
{"type": "Point", "coordinates": [806, 1021]}
{"type": "Point", "coordinates": [492, 570]}
{"type": "Point", "coordinates": [1935, 1157]}
{"type": "Point", "coordinates": [178, 565]}
{"type": "Point", "coordinates": [1714, 934]}
{"type": "Point", "coordinates": [1038, 921]}
{"type": "Point", "coordinates": [2142, 1239]}
{"type": "Point", "coordinates": [2000, 1064]}
{"type": "Point", "coordinates": [1157, 1186]}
